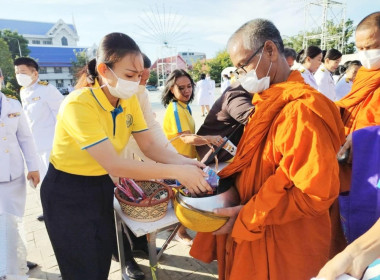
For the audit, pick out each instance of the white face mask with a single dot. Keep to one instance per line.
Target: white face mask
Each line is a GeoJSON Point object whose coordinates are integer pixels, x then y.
{"type": "Point", "coordinates": [124, 88]}
{"type": "Point", "coordinates": [24, 80]}
{"type": "Point", "coordinates": [370, 59]}
{"type": "Point", "coordinates": [251, 83]}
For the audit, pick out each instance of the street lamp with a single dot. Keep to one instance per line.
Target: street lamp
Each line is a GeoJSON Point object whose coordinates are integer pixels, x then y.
{"type": "Point", "coordinates": [18, 43]}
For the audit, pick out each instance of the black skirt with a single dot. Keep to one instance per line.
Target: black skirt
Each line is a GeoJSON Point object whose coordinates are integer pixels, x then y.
{"type": "Point", "coordinates": [78, 212]}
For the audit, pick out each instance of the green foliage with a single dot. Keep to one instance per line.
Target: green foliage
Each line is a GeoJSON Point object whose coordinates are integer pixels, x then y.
{"type": "Point", "coordinates": [8, 91]}
{"type": "Point", "coordinates": [6, 65]}
{"type": "Point", "coordinates": [13, 40]}
{"type": "Point", "coordinates": [212, 66]}
{"type": "Point", "coordinates": [296, 41]}
{"type": "Point", "coordinates": [153, 78]}
{"type": "Point", "coordinates": [81, 60]}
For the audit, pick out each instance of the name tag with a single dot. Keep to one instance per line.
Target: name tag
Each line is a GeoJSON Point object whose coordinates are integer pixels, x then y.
{"type": "Point", "coordinates": [14, 115]}
{"type": "Point", "coordinates": [36, 98]}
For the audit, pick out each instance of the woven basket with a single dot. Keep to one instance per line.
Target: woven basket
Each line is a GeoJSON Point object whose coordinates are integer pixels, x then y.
{"type": "Point", "coordinates": [152, 211]}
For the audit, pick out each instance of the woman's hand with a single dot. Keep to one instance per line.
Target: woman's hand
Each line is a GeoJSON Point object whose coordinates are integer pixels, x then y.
{"type": "Point", "coordinates": [215, 140]}
{"type": "Point", "coordinates": [231, 212]}
{"type": "Point", "coordinates": [35, 176]}
{"type": "Point", "coordinates": [340, 264]}
{"type": "Point", "coordinates": [192, 178]}
{"type": "Point", "coordinates": [189, 161]}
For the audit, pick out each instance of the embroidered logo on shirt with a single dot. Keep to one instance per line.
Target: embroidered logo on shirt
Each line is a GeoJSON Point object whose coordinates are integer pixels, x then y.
{"type": "Point", "coordinates": [14, 115]}
{"type": "Point", "coordinates": [129, 120]}
{"type": "Point", "coordinates": [36, 98]}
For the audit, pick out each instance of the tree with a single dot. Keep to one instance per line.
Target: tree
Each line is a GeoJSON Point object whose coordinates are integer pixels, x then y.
{"type": "Point", "coordinates": [16, 42]}
{"type": "Point", "coordinates": [80, 61]}
{"type": "Point", "coordinates": [217, 64]}
{"type": "Point", "coordinates": [212, 66]}
{"type": "Point", "coordinates": [153, 78]}
{"type": "Point", "coordinates": [6, 65]}
{"type": "Point", "coordinates": [296, 41]}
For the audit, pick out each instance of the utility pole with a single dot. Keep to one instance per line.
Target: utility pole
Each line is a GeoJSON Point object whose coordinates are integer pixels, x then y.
{"type": "Point", "coordinates": [318, 14]}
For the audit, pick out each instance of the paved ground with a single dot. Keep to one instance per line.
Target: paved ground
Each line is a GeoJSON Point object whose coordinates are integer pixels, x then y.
{"type": "Point", "coordinates": [175, 263]}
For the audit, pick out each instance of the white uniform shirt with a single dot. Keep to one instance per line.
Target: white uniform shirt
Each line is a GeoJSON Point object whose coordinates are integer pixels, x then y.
{"type": "Point", "coordinates": [153, 126]}
{"type": "Point", "coordinates": [308, 77]}
{"type": "Point", "coordinates": [325, 82]}
{"type": "Point", "coordinates": [202, 89]}
{"type": "Point", "coordinates": [15, 137]}
{"type": "Point", "coordinates": [41, 102]}
{"type": "Point", "coordinates": [343, 87]}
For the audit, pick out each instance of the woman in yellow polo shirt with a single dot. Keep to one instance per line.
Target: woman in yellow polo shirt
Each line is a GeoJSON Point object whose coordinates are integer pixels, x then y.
{"type": "Point", "coordinates": [177, 94]}
{"type": "Point", "coordinates": [93, 126]}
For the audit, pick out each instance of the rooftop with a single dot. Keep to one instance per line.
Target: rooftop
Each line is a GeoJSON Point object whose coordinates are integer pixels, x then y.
{"type": "Point", "coordinates": [52, 56]}
{"type": "Point", "coordinates": [29, 27]}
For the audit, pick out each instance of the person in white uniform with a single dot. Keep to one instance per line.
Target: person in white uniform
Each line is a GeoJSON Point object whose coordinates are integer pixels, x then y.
{"type": "Point", "coordinates": [323, 76]}
{"type": "Point", "coordinates": [16, 144]}
{"type": "Point", "coordinates": [225, 83]}
{"type": "Point", "coordinates": [212, 89]}
{"type": "Point", "coordinates": [310, 60]}
{"type": "Point", "coordinates": [203, 93]}
{"type": "Point", "coordinates": [40, 102]}
{"type": "Point", "coordinates": [346, 80]}
{"type": "Point", "coordinates": [290, 56]}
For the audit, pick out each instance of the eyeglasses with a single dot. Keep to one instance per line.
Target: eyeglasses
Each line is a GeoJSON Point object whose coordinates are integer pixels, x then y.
{"type": "Point", "coordinates": [240, 71]}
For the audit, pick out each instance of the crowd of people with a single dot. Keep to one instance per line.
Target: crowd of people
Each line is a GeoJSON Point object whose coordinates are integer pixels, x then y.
{"type": "Point", "coordinates": [286, 130]}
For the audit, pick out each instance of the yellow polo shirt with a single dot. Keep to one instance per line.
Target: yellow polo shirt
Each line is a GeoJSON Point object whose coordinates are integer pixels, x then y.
{"type": "Point", "coordinates": [178, 119]}
{"type": "Point", "coordinates": [87, 118]}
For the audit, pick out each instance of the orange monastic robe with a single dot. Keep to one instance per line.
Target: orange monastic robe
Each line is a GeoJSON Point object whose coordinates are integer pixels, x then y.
{"type": "Point", "coordinates": [287, 177]}
{"type": "Point", "coordinates": [360, 108]}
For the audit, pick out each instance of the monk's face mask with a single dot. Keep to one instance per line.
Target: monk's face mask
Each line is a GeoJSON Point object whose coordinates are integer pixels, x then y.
{"type": "Point", "coordinates": [370, 59]}
{"type": "Point", "coordinates": [251, 83]}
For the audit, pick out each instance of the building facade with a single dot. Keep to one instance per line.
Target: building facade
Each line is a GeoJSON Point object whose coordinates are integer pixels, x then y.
{"type": "Point", "coordinates": [52, 45]}
{"type": "Point", "coordinates": [192, 57]}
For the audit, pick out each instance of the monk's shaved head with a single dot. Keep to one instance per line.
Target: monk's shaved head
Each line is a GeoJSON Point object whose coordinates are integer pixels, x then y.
{"type": "Point", "coordinates": [254, 33]}
{"type": "Point", "coordinates": [370, 21]}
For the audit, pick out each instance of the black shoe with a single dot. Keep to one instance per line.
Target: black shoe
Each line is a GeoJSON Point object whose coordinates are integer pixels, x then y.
{"type": "Point", "coordinates": [133, 270]}
{"type": "Point", "coordinates": [41, 218]}
{"type": "Point", "coordinates": [31, 265]}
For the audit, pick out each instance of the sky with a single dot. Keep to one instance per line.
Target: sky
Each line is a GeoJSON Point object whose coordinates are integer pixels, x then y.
{"type": "Point", "coordinates": [196, 25]}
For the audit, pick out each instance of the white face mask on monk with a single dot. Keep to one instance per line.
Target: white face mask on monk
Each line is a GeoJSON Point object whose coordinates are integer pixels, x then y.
{"type": "Point", "coordinates": [370, 59]}
{"type": "Point", "coordinates": [251, 83]}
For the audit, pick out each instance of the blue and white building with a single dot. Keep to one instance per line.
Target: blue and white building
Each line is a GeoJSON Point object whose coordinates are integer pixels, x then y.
{"type": "Point", "coordinates": [52, 45]}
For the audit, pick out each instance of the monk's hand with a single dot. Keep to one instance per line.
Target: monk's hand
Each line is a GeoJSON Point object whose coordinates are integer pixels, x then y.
{"type": "Point", "coordinates": [34, 176]}
{"type": "Point", "coordinates": [193, 178]}
{"type": "Point", "coordinates": [232, 213]}
{"type": "Point", "coordinates": [347, 146]}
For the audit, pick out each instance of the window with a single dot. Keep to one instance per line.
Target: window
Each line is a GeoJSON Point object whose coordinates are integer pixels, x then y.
{"type": "Point", "coordinates": [59, 83]}
{"type": "Point", "coordinates": [57, 69]}
{"type": "Point", "coordinates": [64, 41]}
{"type": "Point", "coordinates": [43, 70]}
{"type": "Point", "coordinates": [36, 42]}
{"type": "Point", "coordinates": [71, 70]}
{"type": "Point", "coordinates": [47, 42]}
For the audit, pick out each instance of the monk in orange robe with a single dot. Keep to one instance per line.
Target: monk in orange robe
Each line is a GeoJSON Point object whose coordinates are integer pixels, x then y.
{"type": "Point", "coordinates": [360, 108]}
{"type": "Point", "coordinates": [285, 170]}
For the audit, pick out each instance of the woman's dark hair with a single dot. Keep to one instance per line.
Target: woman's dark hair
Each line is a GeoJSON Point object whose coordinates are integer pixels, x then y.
{"type": "Point", "coordinates": [167, 95]}
{"type": "Point", "coordinates": [331, 54]}
{"type": "Point", "coordinates": [347, 65]}
{"type": "Point", "coordinates": [112, 48]}
{"type": "Point", "coordinates": [311, 51]}
{"type": "Point", "coordinates": [203, 76]}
